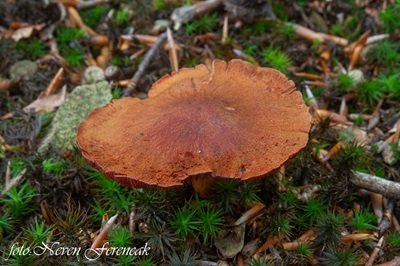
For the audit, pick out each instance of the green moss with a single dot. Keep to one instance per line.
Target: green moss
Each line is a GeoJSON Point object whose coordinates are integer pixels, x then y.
{"type": "Point", "coordinates": [364, 220]}
{"type": "Point", "coordinates": [121, 17]}
{"type": "Point", "coordinates": [390, 17]}
{"type": "Point", "coordinates": [94, 16]}
{"type": "Point", "coordinates": [370, 92]}
{"type": "Point", "coordinates": [276, 59]}
{"type": "Point", "coordinates": [340, 257]}
{"type": "Point", "coordinates": [205, 23]}
{"type": "Point", "coordinates": [280, 225]}
{"type": "Point", "coordinates": [328, 230]}
{"type": "Point", "coordinates": [120, 236]}
{"type": "Point", "coordinates": [184, 222]}
{"type": "Point", "coordinates": [258, 27]}
{"type": "Point", "coordinates": [32, 48]}
{"type": "Point", "coordinates": [66, 35]}
{"type": "Point", "coordinates": [52, 166]}
{"type": "Point", "coordinates": [38, 232]}
{"type": "Point", "coordinates": [19, 200]}
{"type": "Point", "coordinates": [345, 82]}
{"type": "Point", "coordinates": [385, 53]}
{"type": "Point", "coordinates": [68, 40]}
{"type": "Point", "coordinates": [393, 240]}
{"type": "Point", "coordinates": [159, 4]}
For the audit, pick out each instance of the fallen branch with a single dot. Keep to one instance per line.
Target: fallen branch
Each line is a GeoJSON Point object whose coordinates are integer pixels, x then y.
{"type": "Point", "coordinates": [173, 55]}
{"type": "Point", "coordinates": [375, 252]}
{"type": "Point", "coordinates": [376, 184]}
{"type": "Point", "coordinates": [11, 182]}
{"type": "Point", "coordinates": [317, 36]}
{"type": "Point", "coordinates": [144, 64]}
{"type": "Point", "coordinates": [257, 209]}
{"type": "Point", "coordinates": [393, 262]}
{"type": "Point", "coordinates": [186, 13]}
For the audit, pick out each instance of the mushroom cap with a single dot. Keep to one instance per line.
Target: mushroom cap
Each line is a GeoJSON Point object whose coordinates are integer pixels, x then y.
{"type": "Point", "coordinates": [235, 121]}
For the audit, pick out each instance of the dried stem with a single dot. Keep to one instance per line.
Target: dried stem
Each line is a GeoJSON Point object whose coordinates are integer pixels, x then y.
{"type": "Point", "coordinates": [144, 64]}
{"type": "Point", "coordinates": [376, 184]}
{"type": "Point", "coordinates": [186, 13]}
{"type": "Point", "coordinates": [172, 51]}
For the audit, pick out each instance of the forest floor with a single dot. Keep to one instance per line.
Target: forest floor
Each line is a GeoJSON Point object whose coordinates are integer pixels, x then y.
{"type": "Point", "coordinates": [344, 57]}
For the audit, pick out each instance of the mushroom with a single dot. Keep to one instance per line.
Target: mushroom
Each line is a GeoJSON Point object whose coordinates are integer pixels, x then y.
{"type": "Point", "coordinates": [234, 121]}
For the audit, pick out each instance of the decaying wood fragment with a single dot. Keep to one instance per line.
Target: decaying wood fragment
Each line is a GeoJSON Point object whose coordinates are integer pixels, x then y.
{"type": "Point", "coordinates": [144, 64]}
{"type": "Point", "coordinates": [184, 14]}
{"type": "Point", "coordinates": [376, 184]}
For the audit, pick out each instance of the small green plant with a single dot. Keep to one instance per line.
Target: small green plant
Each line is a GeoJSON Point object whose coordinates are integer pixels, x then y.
{"type": "Point", "coordinates": [68, 42]}
{"type": "Point", "coordinates": [93, 16]}
{"type": "Point", "coordinates": [159, 4]}
{"type": "Point", "coordinates": [328, 229]}
{"type": "Point", "coordinates": [287, 30]}
{"type": "Point", "coordinates": [259, 262]}
{"type": "Point", "coordinates": [116, 196]}
{"type": "Point", "coordinates": [391, 85]}
{"type": "Point", "coordinates": [393, 241]}
{"type": "Point", "coordinates": [249, 193]}
{"type": "Point", "coordinates": [186, 259]}
{"type": "Point", "coordinates": [370, 92]}
{"type": "Point", "coordinates": [209, 221]}
{"type": "Point", "coordinates": [184, 222]}
{"type": "Point", "coordinates": [304, 250]}
{"type": "Point", "coordinates": [51, 166]}
{"type": "Point", "coordinates": [351, 156]}
{"type": "Point", "coordinates": [67, 35]}
{"type": "Point", "coordinates": [117, 93]}
{"type": "Point", "coordinates": [256, 28]}
{"type": "Point", "coordinates": [281, 226]}
{"type": "Point", "coordinates": [364, 220]}
{"type": "Point", "coordinates": [18, 200]}
{"type": "Point", "coordinates": [385, 53]}
{"type": "Point", "coordinates": [203, 24]}
{"type": "Point", "coordinates": [120, 236]}
{"type": "Point", "coordinates": [126, 260]}
{"type": "Point", "coordinates": [6, 224]}
{"type": "Point", "coordinates": [17, 166]}
{"type": "Point", "coordinates": [390, 17]}
{"type": "Point", "coordinates": [121, 17]}
{"type": "Point", "coordinates": [38, 232]}
{"type": "Point", "coordinates": [32, 48]}
{"type": "Point", "coordinates": [276, 59]}
{"type": "Point", "coordinates": [340, 257]}
{"type": "Point", "coordinates": [345, 82]}
{"type": "Point", "coordinates": [250, 49]}
{"type": "Point", "coordinates": [313, 210]}
{"type": "Point", "coordinates": [227, 195]}
{"type": "Point", "coordinates": [145, 262]}
{"type": "Point", "coordinates": [337, 29]}
{"type": "Point", "coordinates": [74, 58]}
{"type": "Point", "coordinates": [71, 221]}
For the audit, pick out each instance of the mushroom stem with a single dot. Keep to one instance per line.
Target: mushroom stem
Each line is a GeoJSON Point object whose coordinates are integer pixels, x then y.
{"type": "Point", "coordinates": [203, 184]}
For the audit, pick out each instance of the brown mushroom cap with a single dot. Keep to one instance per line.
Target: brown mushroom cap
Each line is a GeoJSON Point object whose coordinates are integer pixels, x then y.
{"type": "Point", "coordinates": [235, 121]}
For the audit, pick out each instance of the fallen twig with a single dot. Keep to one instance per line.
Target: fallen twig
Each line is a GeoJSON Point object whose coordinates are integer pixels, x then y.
{"type": "Point", "coordinates": [225, 30]}
{"type": "Point", "coordinates": [375, 252]}
{"type": "Point", "coordinates": [376, 184]}
{"type": "Point", "coordinates": [393, 262]}
{"type": "Point", "coordinates": [144, 64]}
{"type": "Point", "coordinates": [248, 215]}
{"type": "Point", "coordinates": [55, 83]}
{"type": "Point", "coordinates": [317, 36]}
{"type": "Point", "coordinates": [186, 13]}
{"type": "Point", "coordinates": [11, 182]}
{"type": "Point", "coordinates": [173, 56]}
